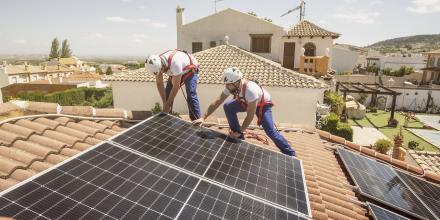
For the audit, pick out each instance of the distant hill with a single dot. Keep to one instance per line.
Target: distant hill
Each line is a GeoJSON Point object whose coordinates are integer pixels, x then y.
{"type": "Point", "coordinates": [416, 43]}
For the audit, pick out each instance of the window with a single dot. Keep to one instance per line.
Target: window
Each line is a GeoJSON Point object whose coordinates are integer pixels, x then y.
{"type": "Point", "coordinates": [197, 46]}
{"type": "Point", "coordinates": [260, 43]}
{"type": "Point", "coordinates": [213, 44]}
{"type": "Point", "coordinates": [310, 50]}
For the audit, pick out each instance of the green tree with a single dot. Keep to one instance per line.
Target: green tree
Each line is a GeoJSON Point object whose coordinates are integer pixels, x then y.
{"type": "Point", "coordinates": [55, 49]}
{"type": "Point", "coordinates": [99, 70]}
{"type": "Point", "coordinates": [109, 71]}
{"type": "Point", "coordinates": [65, 50]}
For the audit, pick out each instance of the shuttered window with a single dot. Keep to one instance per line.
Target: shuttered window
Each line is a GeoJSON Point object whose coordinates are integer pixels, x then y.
{"type": "Point", "coordinates": [260, 43]}
{"type": "Point", "coordinates": [197, 46]}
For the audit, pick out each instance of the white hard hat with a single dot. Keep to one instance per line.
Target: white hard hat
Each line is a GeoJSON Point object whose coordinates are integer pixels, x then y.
{"type": "Point", "coordinates": [232, 75]}
{"type": "Point", "coordinates": [153, 64]}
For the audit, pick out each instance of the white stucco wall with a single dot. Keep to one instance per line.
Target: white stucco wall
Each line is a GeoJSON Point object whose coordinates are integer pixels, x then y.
{"type": "Point", "coordinates": [321, 45]}
{"type": "Point", "coordinates": [344, 60]}
{"type": "Point", "coordinates": [292, 105]}
{"type": "Point", "coordinates": [237, 25]}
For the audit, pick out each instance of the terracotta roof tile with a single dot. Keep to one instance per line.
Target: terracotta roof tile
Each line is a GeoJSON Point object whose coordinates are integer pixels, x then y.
{"type": "Point", "coordinates": [429, 161]}
{"type": "Point", "coordinates": [110, 112]}
{"type": "Point", "coordinates": [73, 132]}
{"type": "Point", "coordinates": [50, 123]}
{"type": "Point", "coordinates": [95, 125]}
{"type": "Point", "coordinates": [61, 137]}
{"type": "Point", "coordinates": [48, 142]}
{"type": "Point", "coordinates": [63, 120]}
{"type": "Point", "coordinates": [17, 129]}
{"type": "Point", "coordinates": [308, 29]}
{"type": "Point", "coordinates": [81, 146]}
{"type": "Point", "coordinates": [39, 128]}
{"type": "Point", "coordinates": [92, 141]}
{"type": "Point", "coordinates": [5, 108]}
{"type": "Point", "coordinates": [213, 61]}
{"type": "Point", "coordinates": [40, 151]}
{"type": "Point", "coordinates": [7, 138]}
{"type": "Point", "coordinates": [83, 128]}
{"type": "Point", "coordinates": [77, 110]}
{"type": "Point", "coordinates": [102, 136]}
{"type": "Point", "coordinates": [43, 107]}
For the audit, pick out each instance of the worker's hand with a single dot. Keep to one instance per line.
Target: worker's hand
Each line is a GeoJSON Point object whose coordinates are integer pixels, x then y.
{"type": "Point", "coordinates": [234, 134]}
{"type": "Point", "coordinates": [199, 122]}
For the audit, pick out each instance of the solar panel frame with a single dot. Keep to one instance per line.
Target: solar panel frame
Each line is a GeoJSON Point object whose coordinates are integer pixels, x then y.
{"type": "Point", "coordinates": [355, 179]}
{"type": "Point", "coordinates": [379, 213]}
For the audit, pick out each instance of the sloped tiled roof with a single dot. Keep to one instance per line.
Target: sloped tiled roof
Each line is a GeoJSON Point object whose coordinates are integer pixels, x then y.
{"type": "Point", "coordinates": [30, 69]}
{"type": "Point", "coordinates": [74, 78]}
{"type": "Point", "coordinates": [212, 63]}
{"type": "Point", "coordinates": [308, 29]}
{"type": "Point", "coordinates": [428, 161]}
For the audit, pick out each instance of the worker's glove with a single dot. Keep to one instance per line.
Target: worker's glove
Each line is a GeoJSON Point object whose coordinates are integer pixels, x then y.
{"type": "Point", "coordinates": [199, 122]}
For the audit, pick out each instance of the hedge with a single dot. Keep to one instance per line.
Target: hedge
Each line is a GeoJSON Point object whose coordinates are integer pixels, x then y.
{"type": "Point", "coordinates": [100, 98]}
{"type": "Point", "coordinates": [332, 124]}
{"type": "Point", "coordinates": [335, 101]}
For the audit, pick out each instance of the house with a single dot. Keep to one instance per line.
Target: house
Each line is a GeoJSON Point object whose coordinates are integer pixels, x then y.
{"type": "Point", "coordinates": [27, 73]}
{"type": "Point", "coordinates": [41, 142]}
{"type": "Point", "coordinates": [286, 86]}
{"type": "Point", "coordinates": [431, 72]}
{"type": "Point", "coordinates": [345, 58]}
{"type": "Point", "coordinates": [256, 35]}
{"type": "Point", "coordinates": [396, 61]}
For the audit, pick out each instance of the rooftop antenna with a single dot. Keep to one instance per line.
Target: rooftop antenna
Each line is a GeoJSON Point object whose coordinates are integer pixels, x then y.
{"type": "Point", "coordinates": [215, 4]}
{"type": "Point", "coordinates": [301, 8]}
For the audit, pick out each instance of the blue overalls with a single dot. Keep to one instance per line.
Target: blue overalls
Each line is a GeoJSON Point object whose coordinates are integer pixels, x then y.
{"type": "Point", "coordinates": [192, 99]}
{"type": "Point", "coordinates": [233, 106]}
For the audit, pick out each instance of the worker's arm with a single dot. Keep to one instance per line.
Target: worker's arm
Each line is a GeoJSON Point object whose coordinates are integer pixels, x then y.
{"type": "Point", "coordinates": [212, 107]}
{"type": "Point", "coordinates": [175, 80]}
{"type": "Point", "coordinates": [251, 108]}
{"type": "Point", "coordinates": [160, 87]}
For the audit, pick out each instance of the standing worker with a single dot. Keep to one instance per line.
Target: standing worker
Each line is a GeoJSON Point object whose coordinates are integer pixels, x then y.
{"type": "Point", "coordinates": [181, 67]}
{"type": "Point", "coordinates": [251, 98]}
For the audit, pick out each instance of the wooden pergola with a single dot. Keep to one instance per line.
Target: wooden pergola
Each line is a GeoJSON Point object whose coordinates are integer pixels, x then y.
{"type": "Point", "coordinates": [362, 88]}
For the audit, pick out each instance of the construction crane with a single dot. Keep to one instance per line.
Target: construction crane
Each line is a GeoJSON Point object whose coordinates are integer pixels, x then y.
{"type": "Point", "coordinates": [215, 4]}
{"type": "Point", "coordinates": [301, 7]}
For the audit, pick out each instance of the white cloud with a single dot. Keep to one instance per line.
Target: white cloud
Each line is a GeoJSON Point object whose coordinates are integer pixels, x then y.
{"type": "Point", "coordinates": [145, 20]}
{"type": "Point", "coordinates": [424, 6]}
{"type": "Point", "coordinates": [158, 25]}
{"type": "Point", "coordinates": [19, 41]}
{"type": "Point", "coordinates": [118, 19]}
{"type": "Point", "coordinates": [361, 16]}
{"type": "Point", "coordinates": [139, 38]}
{"type": "Point", "coordinates": [94, 36]}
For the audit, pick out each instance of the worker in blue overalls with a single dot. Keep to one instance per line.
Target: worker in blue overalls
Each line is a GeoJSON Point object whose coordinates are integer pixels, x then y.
{"type": "Point", "coordinates": [251, 98]}
{"type": "Point", "coordinates": [181, 67]}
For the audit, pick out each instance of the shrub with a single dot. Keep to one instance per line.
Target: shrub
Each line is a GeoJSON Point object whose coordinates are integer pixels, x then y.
{"type": "Point", "coordinates": [393, 123]}
{"type": "Point", "coordinates": [157, 109]}
{"type": "Point", "coordinates": [330, 123]}
{"type": "Point", "coordinates": [335, 101]}
{"type": "Point", "coordinates": [345, 131]}
{"type": "Point", "coordinates": [413, 145]}
{"type": "Point", "coordinates": [372, 109]}
{"type": "Point", "coordinates": [383, 145]}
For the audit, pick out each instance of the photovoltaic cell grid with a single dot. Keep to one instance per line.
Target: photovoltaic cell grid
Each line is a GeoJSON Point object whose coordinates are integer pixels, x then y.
{"type": "Point", "coordinates": [260, 172]}
{"type": "Point", "coordinates": [429, 193]}
{"type": "Point", "coordinates": [107, 182]}
{"type": "Point", "coordinates": [381, 183]}
{"type": "Point", "coordinates": [380, 213]}
{"type": "Point", "coordinates": [210, 201]}
{"type": "Point", "coordinates": [174, 141]}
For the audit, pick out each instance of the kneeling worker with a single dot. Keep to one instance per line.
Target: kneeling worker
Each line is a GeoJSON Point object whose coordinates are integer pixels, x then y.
{"type": "Point", "coordinates": [181, 68]}
{"type": "Point", "coordinates": [251, 98]}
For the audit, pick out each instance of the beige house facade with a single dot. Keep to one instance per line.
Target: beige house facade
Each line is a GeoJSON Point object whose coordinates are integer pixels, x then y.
{"type": "Point", "coordinates": [256, 35]}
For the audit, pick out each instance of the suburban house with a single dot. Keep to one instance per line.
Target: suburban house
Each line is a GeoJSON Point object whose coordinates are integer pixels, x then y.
{"type": "Point", "coordinates": [136, 90]}
{"type": "Point", "coordinates": [27, 73]}
{"type": "Point", "coordinates": [345, 58]}
{"type": "Point", "coordinates": [431, 73]}
{"type": "Point", "coordinates": [396, 61]}
{"type": "Point", "coordinates": [259, 36]}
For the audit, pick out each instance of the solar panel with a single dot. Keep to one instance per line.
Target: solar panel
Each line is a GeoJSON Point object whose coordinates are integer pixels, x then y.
{"type": "Point", "coordinates": [381, 183]}
{"type": "Point", "coordinates": [107, 182]}
{"type": "Point", "coordinates": [428, 192]}
{"type": "Point", "coordinates": [380, 213]}
{"type": "Point", "coordinates": [210, 201]}
{"type": "Point", "coordinates": [159, 169]}
{"type": "Point", "coordinates": [174, 141]}
{"type": "Point", "coordinates": [266, 174]}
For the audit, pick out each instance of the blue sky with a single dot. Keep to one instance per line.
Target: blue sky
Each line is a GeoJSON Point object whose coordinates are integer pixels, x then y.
{"type": "Point", "coordinates": [140, 27]}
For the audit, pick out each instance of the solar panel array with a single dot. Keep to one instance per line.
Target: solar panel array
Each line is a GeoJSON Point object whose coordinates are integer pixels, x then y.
{"type": "Point", "coordinates": [380, 213]}
{"type": "Point", "coordinates": [382, 183]}
{"type": "Point", "coordinates": [159, 170]}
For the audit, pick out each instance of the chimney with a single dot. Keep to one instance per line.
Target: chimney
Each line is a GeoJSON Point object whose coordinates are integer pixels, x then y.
{"type": "Point", "coordinates": [180, 21]}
